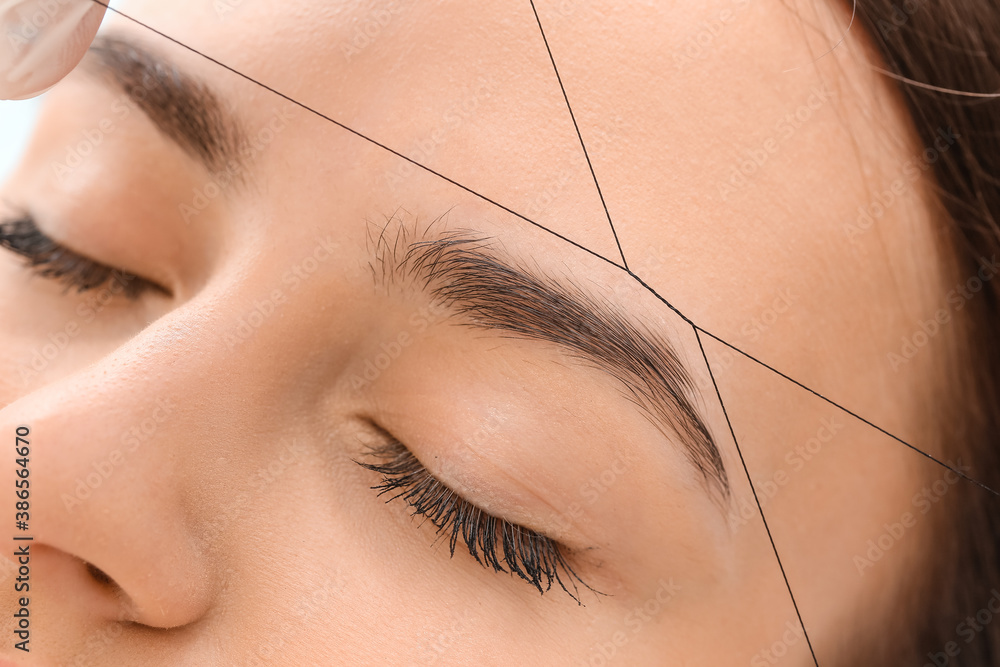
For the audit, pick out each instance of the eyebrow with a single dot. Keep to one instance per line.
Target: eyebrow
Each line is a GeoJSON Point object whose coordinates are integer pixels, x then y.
{"type": "Point", "coordinates": [183, 108]}
{"type": "Point", "coordinates": [460, 270]}
{"type": "Point", "coordinates": [487, 289]}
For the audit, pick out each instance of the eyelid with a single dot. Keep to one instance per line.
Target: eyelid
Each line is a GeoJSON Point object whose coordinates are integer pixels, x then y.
{"type": "Point", "coordinates": [50, 259]}
{"type": "Point", "coordinates": [494, 542]}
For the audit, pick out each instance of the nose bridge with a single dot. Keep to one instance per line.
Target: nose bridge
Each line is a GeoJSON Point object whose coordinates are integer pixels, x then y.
{"type": "Point", "coordinates": [115, 458]}
{"type": "Point", "coordinates": [131, 454]}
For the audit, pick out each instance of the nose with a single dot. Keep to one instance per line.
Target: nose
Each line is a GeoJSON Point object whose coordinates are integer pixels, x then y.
{"type": "Point", "coordinates": [100, 447]}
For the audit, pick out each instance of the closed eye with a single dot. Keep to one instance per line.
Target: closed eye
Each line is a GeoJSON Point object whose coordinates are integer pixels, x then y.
{"type": "Point", "coordinates": [493, 542]}
{"type": "Point", "coordinates": [51, 260]}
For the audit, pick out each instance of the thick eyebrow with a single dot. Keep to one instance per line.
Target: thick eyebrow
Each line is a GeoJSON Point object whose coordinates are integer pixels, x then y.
{"type": "Point", "coordinates": [479, 283]}
{"type": "Point", "coordinates": [183, 108]}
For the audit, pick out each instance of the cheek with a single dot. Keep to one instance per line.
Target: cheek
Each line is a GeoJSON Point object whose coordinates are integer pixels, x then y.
{"type": "Point", "coordinates": [331, 570]}
{"type": "Point", "coordinates": [51, 333]}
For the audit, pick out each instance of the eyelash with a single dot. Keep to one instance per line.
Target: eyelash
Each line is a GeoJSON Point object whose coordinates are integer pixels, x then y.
{"type": "Point", "coordinates": [50, 260]}
{"type": "Point", "coordinates": [494, 542]}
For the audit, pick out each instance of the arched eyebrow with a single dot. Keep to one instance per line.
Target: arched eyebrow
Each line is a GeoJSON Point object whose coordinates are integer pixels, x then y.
{"type": "Point", "coordinates": [481, 285]}
{"type": "Point", "coordinates": [183, 108]}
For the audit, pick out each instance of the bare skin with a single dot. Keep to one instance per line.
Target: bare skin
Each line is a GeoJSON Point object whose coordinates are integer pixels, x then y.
{"type": "Point", "coordinates": [229, 406]}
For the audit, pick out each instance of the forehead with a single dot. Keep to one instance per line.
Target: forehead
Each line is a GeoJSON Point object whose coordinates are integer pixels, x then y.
{"type": "Point", "coordinates": [661, 95]}
{"type": "Point", "coordinates": [732, 146]}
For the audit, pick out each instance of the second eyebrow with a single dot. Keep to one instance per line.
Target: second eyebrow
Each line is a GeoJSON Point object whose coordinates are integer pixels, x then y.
{"type": "Point", "coordinates": [184, 109]}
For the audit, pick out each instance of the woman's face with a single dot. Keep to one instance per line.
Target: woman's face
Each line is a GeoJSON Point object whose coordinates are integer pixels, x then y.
{"type": "Point", "coordinates": [307, 300]}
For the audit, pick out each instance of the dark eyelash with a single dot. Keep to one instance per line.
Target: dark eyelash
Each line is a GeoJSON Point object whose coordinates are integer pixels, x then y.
{"type": "Point", "coordinates": [50, 260]}
{"type": "Point", "coordinates": [494, 542]}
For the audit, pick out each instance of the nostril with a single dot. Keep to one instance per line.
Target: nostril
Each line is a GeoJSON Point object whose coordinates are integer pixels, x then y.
{"type": "Point", "coordinates": [98, 575]}
{"type": "Point", "coordinates": [123, 608]}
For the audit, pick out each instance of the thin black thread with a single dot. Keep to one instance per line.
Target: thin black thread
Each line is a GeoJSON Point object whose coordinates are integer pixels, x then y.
{"type": "Point", "coordinates": [359, 134]}
{"type": "Point", "coordinates": [579, 135]}
{"type": "Point", "coordinates": [850, 412]}
{"type": "Point", "coordinates": [662, 300]}
{"type": "Point", "coordinates": [553, 233]}
{"type": "Point", "coordinates": [760, 509]}
{"type": "Point", "coordinates": [698, 330]}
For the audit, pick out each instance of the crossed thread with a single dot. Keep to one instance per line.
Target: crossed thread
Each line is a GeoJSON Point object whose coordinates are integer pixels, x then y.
{"type": "Point", "coordinates": [698, 330]}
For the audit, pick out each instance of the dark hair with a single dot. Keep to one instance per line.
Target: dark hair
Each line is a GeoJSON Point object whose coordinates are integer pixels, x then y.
{"type": "Point", "coordinates": [939, 51]}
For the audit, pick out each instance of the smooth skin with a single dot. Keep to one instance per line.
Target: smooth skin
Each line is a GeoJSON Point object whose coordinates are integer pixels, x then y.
{"type": "Point", "coordinates": [233, 525]}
